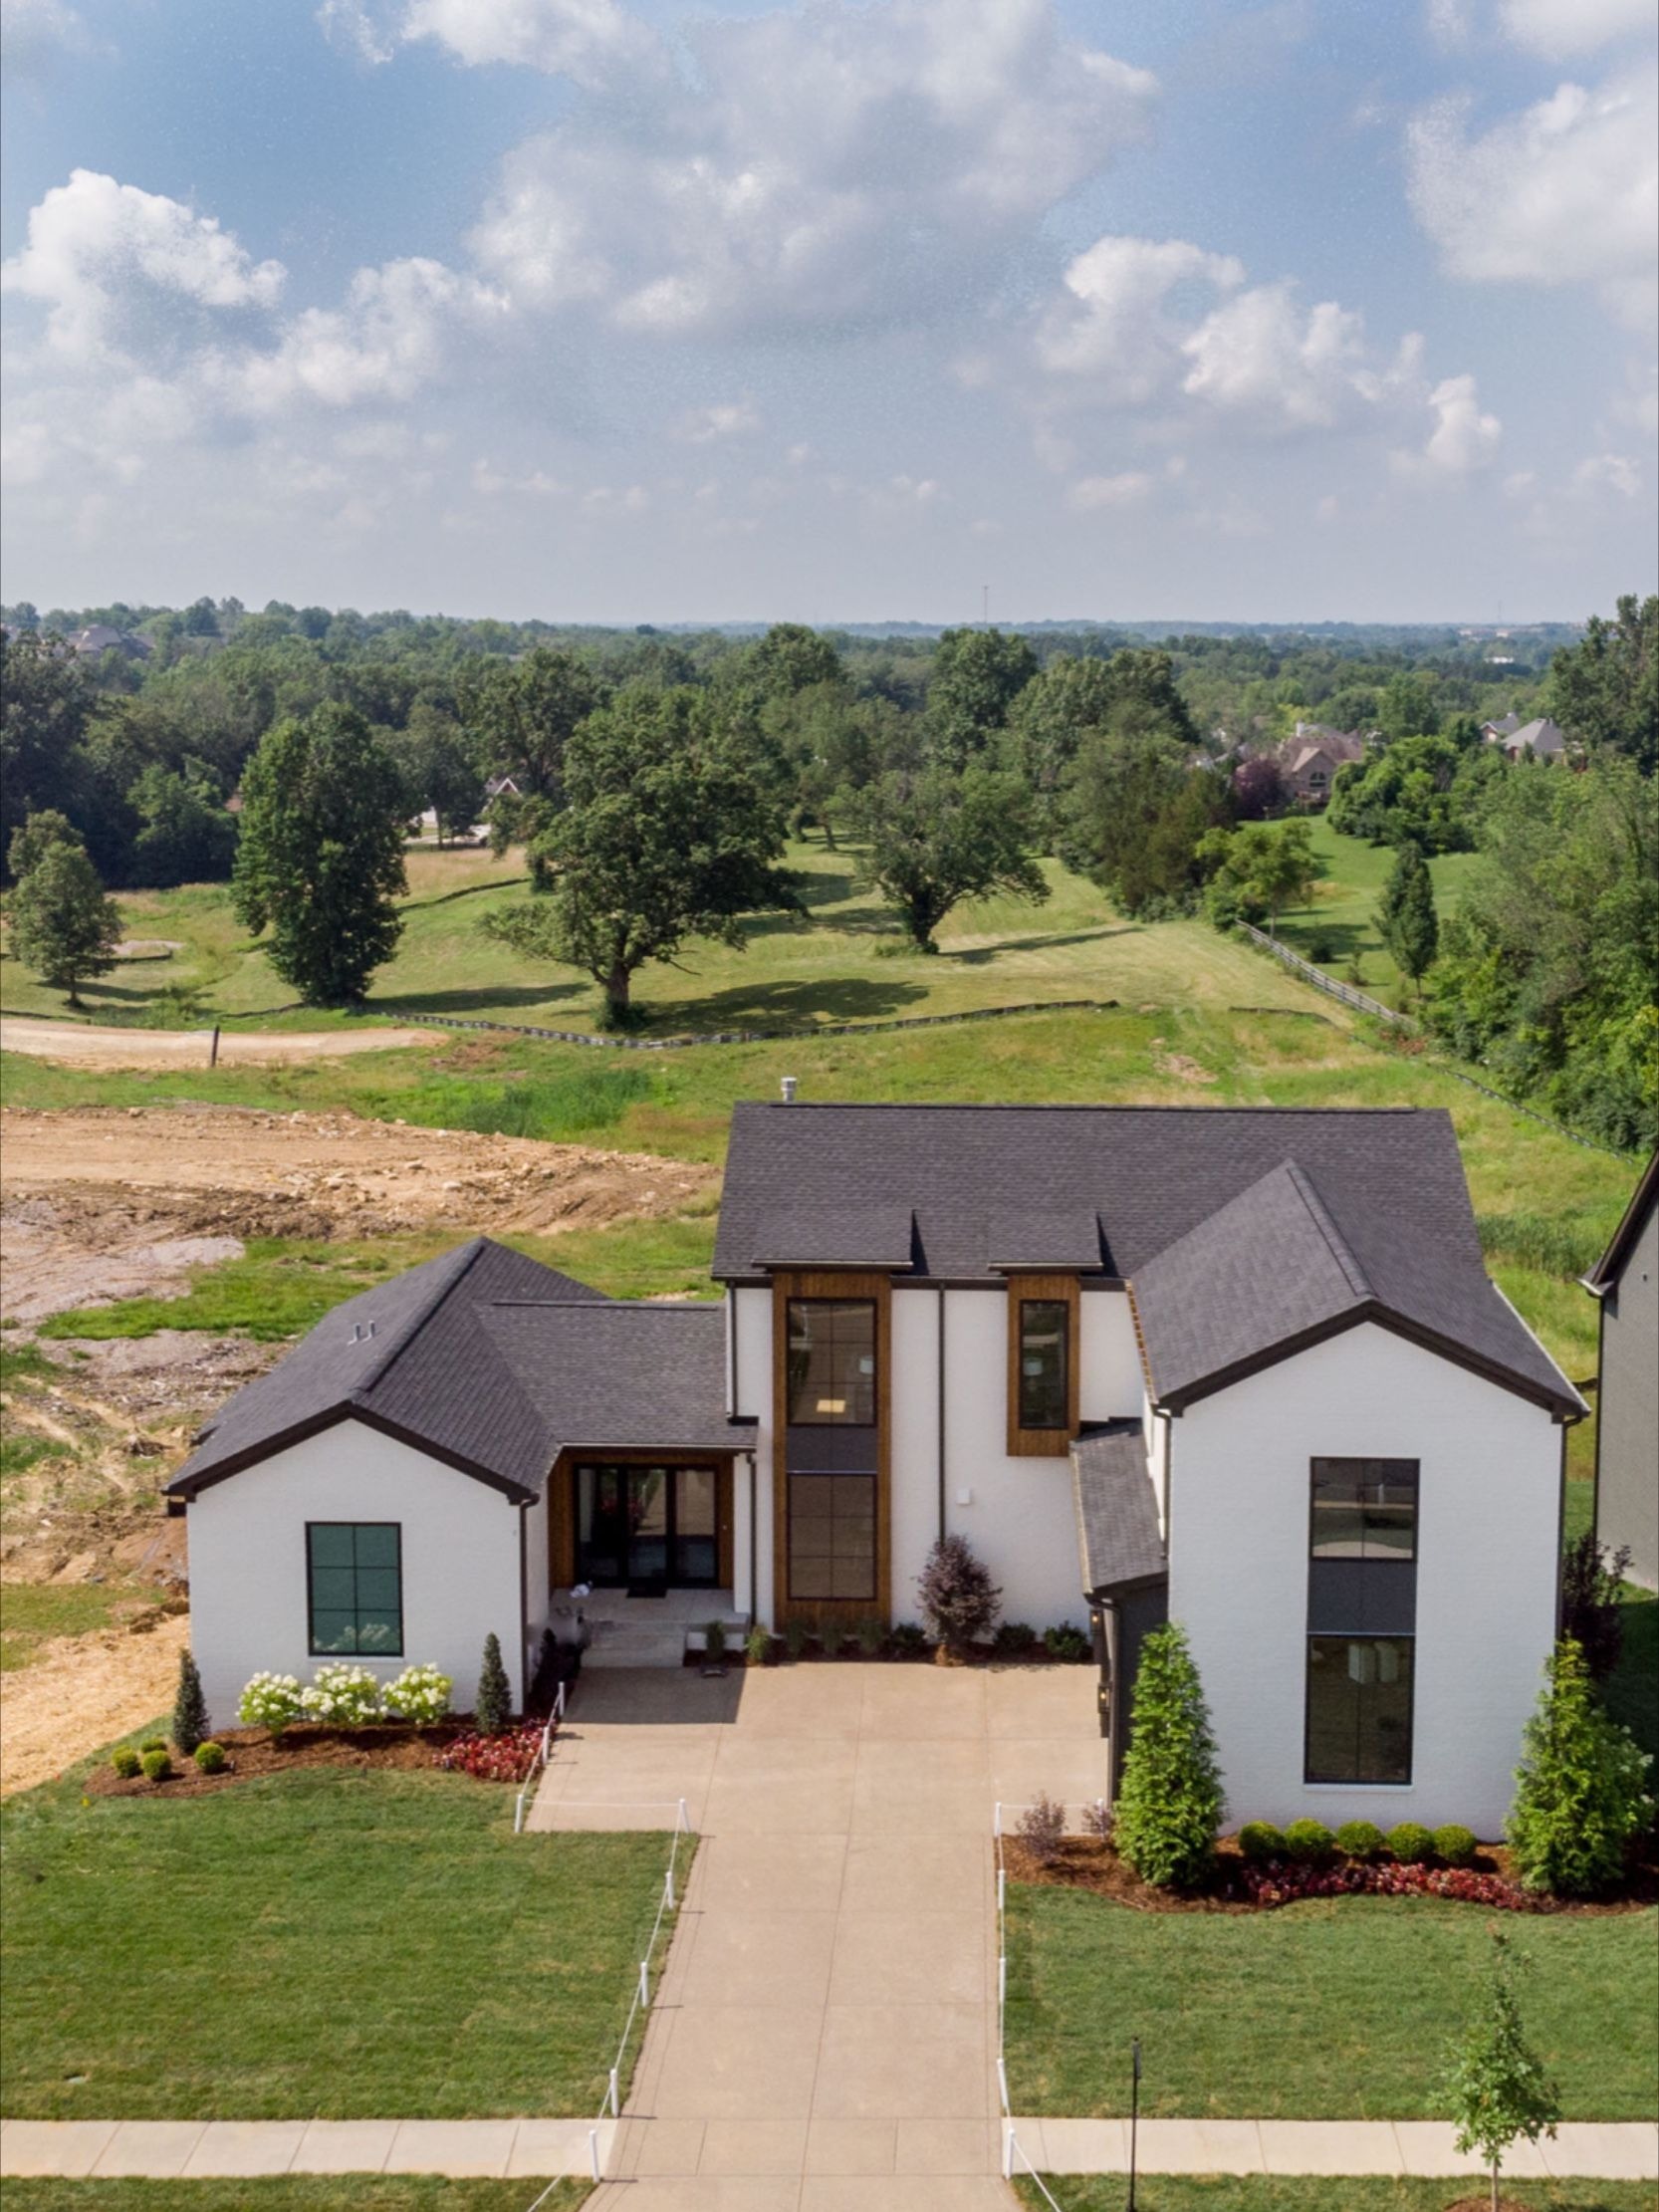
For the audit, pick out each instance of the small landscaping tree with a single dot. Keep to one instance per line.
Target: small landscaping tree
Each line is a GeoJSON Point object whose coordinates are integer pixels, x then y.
{"type": "Point", "coordinates": [192, 1725]}
{"type": "Point", "coordinates": [1580, 1789]}
{"type": "Point", "coordinates": [958, 1599]}
{"type": "Point", "coordinates": [1169, 1805]}
{"type": "Point", "coordinates": [1496, 2084]}
{"type": "Point", "coordinates": [1590, 1611]}
{"type": "Point", "coordinates": [492, 1705]}
{"type": "Point", "coordinates": [1407, 920]}
{"type": "Point", "coordinates": [64, 926]}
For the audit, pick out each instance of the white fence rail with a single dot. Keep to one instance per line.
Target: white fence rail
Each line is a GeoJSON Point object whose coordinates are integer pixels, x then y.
{"type": "Point", "coordinates": [1359, 1000]}
{"type": "Point", "coordinates": [1015, 2160]}
{"type": "Point", "coordinates": [544, 1752]}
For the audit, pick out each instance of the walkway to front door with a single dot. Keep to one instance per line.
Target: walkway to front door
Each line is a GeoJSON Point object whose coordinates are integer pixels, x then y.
{"type": "Point", "coordinates": [825, 2036]}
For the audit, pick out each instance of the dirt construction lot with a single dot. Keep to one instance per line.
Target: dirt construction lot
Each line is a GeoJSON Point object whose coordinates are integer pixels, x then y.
{"type": "Point", "coordinates": [119, 1202]}
{"type": "Point", "coordinates": [82, 1045]}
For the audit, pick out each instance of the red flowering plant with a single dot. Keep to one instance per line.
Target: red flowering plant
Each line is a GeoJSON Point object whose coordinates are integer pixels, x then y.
{"type": "Point", "coordinates": [508, 1757]}
{"type": "Point", "coordinates": [1278, 1884]}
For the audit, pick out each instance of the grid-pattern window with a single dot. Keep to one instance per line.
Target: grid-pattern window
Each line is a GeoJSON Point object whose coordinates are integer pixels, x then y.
{"type": "Point", "coordinates": [831, 1536]}
{"type": "Point", "coordinates": [1044, 1363]}
{"type": "Point", "coordinates": [1360, 1708]}
{"type": "Point", "coordinates": [1364, 1509]}
{"type": "Point", "coordinates": [832, 1362]}
{"type": "Point", "coordinates": [354, 1573]}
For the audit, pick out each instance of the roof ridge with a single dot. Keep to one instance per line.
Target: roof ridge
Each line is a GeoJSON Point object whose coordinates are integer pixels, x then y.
{"type": "Point", "coordinates": [1326, 1222]}
{"type": "Point", "coordinates": [467, 1255]}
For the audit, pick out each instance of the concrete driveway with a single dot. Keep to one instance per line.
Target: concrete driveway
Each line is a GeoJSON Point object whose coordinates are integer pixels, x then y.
{"type": "Point", "coordinates": [825, 2036]}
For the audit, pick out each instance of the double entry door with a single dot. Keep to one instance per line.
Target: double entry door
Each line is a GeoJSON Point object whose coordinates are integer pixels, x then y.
{"type": "Point", "coordinates": [646, 1528]}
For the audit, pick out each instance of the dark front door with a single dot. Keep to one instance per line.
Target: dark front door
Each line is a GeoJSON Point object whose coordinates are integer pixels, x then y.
{"type": "Point", "coordinates": [644, 1528]}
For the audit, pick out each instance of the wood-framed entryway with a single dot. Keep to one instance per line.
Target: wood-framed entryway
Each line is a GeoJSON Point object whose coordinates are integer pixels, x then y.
{"type": "Point", "coordinates": [565, 1550]}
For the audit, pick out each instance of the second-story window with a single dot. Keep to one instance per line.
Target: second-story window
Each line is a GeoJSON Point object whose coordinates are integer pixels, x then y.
{"type": "Point", "coordinates": [832, 1362]}
{"type": "Point", "coordinates": [1043, 1358]}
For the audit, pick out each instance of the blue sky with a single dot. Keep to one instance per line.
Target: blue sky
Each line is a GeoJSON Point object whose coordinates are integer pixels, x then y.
{"type": "Point", "coordinates": [833, 311]}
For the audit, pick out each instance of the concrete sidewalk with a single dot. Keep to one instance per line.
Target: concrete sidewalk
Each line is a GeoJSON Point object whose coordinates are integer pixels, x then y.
{"type": "Point", "coordinates": [243, 2149]}
{"type": "Point", "coordinates": [1581, 2149]}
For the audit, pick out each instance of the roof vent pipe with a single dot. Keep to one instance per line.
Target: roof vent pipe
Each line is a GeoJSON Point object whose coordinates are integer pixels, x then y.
{"type": "Point", "coordinates": [786, 1087]}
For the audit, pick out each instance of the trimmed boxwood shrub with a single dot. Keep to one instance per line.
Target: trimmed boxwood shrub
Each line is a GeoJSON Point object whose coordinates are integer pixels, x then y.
{"type": "Point", "coordinates": [1412, 1843]}
{"type": "Point", "coordinates": [125, 1760]}
{"type": "Point", "coordinates": [1068, 1643]}
{"type": "Point", "coordinates": [1308, 1841]}
{"type": "Point", "coordinates": [1360, 1840]}
{"type": "Point", "coordinates": [1260, 1840]}
{"type": "Point", "coordinates": [152, 1742]}
{"type": "Point", "coordinates": [1014, 1635]}
{"type": "Point", "coordinates": [1455, 1845]}
{"type": "Point", "coordinates": [210, 1758]}
{"type": "Point", "coordinates": [158, 1764]}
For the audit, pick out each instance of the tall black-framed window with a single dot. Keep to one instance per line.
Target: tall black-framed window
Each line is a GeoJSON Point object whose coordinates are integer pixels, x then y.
{"type": "Point", "coordinates": [832, 1362]}
{"type": "Point", "coordinates": [354, 1587]}
{"type": "Point", "coordinates": [831, 1536]}
{"type": "Point", "coordinates": [1044, 1363]}
{"type": "Point", "coordinates": [1362, 1620]}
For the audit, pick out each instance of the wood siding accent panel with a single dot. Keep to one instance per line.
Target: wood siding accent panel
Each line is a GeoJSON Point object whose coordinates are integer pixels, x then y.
{"type": "Point", "coordinates": [831, 1613]}
{"type": "Point", "coordinates": [1042, 1443]}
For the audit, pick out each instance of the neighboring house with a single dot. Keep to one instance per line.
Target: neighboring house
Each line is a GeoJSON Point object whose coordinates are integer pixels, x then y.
{"type": "Point", "coordinates": [501, 787]}
{"type": "Point", "coordinates": [1545, 739]}
{"type": "Point", "coordinates": [1308, 761]}
{"type": "Point", "coordinates": [1505, 726]}
{"type": "Point", "coordinates": [1625, 1283]}
{"type": "Point", "coordinates": [100, 639]}
{"type": "Point", "coordinates": [1242, 1367]}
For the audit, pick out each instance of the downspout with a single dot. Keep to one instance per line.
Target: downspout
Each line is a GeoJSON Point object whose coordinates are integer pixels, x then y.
{"type": "Point", "coordinates": [754, 1552]}
{"type": "Point", "coordinates": [524, 1604]}
{"type": "Point", "coordinates": [942, 1491]}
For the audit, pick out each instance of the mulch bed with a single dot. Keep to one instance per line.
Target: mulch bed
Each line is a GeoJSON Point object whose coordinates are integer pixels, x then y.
{"type": "Point", "coordinates": [253, 1752]}
{"type": "Point", "coordinates": [1085, 1863]}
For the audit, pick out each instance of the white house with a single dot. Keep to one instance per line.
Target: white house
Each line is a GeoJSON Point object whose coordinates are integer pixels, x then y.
{"type": "Point", "coordinates": [1239, 1367]}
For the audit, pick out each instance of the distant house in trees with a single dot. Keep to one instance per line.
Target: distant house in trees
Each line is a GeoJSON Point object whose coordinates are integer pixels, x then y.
{"type": "Point", "coordinates": [1495, 732]}
{"type": "Point", "coordinates": [1308, 761]}
{"type": "Point", "coordinates": [1543, 739]}
{"type": "Point", "coordinates": [502, 787]}
{"type": "Point", "coordinates": [1625, 1283]}
{"type": "Point", "coordinates": [98, 639]}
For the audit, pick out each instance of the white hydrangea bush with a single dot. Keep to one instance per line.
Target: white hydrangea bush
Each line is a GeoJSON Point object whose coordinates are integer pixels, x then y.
{"type": "Point", "coordinates": [420, 1695]}
{"type": "Point", "coordinates": [272, 1701]}
{"type": "Point", "coordinates": [344, 1696]}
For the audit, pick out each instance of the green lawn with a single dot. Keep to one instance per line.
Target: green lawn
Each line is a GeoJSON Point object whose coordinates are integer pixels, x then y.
{"type": "Point", "coordinates": [355, 2192]}
{"type": "Point", "coordinates": [328, 1943]}
{"type": "Point", "coordinates": [33, 1612]}
{"type": "Point", "coordinates": [795, 971]}
{"type": "Point", "coordinates": [1304, 2193]}
{"type": "Point", "coordinates": [1337, 2009]}
{"type": "Point", "coordinates": [1343, 910]}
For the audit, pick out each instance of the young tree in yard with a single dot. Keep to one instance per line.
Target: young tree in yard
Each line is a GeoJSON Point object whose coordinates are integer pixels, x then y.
{"type": "Point", "coordinates": [192, 1725]}
{"type": "Point", "coordinates": [1169, 1805]}
{"type": "Point", "coordinates": [320, 859]}
{"type": "Point", "coordinates": [1496, 2084]}
{"type": "Point", "coordinates": [937, 837]}
{"type": "Point", "coordinates": [63, 925]}
{"type": "Point", "coordinates": [667, 835]}
{"type": "Point", "coordinates": [492, 1708]}
{"type": "Point", "coordinates": [1407, 920]}
{"type": "Point", "coordinates": [1580, 1797]}
{"type": "Point", "coordinates": [958, 1600]}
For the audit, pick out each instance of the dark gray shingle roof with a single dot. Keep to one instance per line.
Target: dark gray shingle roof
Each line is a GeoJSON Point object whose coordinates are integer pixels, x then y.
{"type": "Point", "coordinates": [1117, 1509]}
{"type": "Point", "coordinates": [1389, 1184]}
{"type": "Point", "coordinates": [422, 1356]}
{"type": "Point", "coordinates": [623, 1376]}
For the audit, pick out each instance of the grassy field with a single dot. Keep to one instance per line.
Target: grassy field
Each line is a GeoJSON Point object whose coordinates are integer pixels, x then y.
{"type": "Point", "coordinates": [1334, 2009]}
{"type": "Point", "coordinates": [337, 1944]}
{"type": "Point", "coordinates": [355, 2192]}
{"type": "Point", "coordinates": [844, 962]}
{"type": "Point", "coordinates": [1303, 2193]}
{"type": "Point", "coordinates": [1343, 910]}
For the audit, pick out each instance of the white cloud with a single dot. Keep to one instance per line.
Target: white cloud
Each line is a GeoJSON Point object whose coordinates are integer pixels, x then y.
{"type": "Point", "coordinates": [1462, 437]}
{"type": "Point", "coordinates": [33, 33]}
{"type": "Point", "coordinates": [587, 39]}
{"type": "Point", "coordinates": [1614, 472]}
{"type": "Point", "coordinates": [1564, 192]}
{"type": "Point", "coordinates": [827, 168]}
{"type": "Point", "coordinates": [1262, 354]}
{"type": "Point", "coordinates": [1556, 27]}
{"type": "Point", "coordinates": [1124, 490]}
{"type": "Point", "coordinates": [728, 420]}
{"type": "Point", "coordinates": [1112, 324]}
{"type": "Point", "coordinates": [392, 336]}
{"type": "Point", "coordinates": [116, 266]}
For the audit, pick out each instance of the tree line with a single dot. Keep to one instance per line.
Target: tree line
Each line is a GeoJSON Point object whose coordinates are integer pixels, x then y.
{"type": "Point", "coordinates": [653, 783]}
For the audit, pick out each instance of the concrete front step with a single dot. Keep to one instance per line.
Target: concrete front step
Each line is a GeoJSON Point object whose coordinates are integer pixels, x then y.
{"type": "Point", "coordinates": [638, 1640]}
